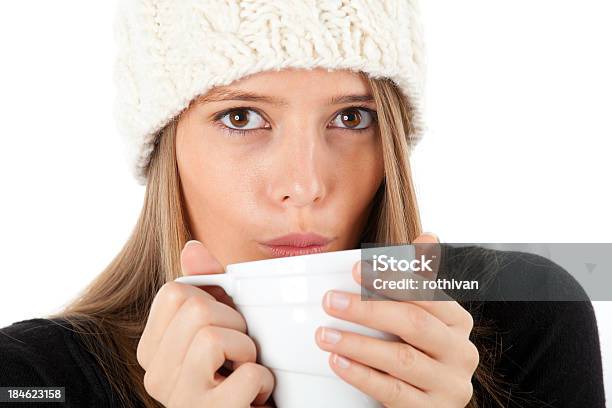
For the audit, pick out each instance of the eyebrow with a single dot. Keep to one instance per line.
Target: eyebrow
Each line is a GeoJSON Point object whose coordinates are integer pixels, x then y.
{"type": "Point", "coordinates": [221, 94]}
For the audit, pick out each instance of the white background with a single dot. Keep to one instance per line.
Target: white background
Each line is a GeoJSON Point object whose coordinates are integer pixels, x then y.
{"type": "Point", "coordinates": [518, 146]}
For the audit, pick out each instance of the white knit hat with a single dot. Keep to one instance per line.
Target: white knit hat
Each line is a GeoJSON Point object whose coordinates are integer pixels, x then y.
{"type": "Point", "coordinates": [170, 51]}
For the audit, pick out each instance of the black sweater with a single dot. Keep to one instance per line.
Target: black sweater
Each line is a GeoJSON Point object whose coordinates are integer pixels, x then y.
{"type": "Point", "coordinates": [547, 353]}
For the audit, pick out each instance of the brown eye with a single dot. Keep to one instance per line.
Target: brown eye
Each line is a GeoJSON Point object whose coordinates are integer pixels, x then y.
{"type": "Point", "coordinates": [354, 118]}
{"type": "Point", "coordinates": [351, 118]}
{"type": "Point", "coordinates": [240, 119]}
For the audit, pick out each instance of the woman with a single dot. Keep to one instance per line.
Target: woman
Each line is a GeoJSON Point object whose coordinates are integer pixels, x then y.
{"type": "Point", "coordinates": [290, 117]}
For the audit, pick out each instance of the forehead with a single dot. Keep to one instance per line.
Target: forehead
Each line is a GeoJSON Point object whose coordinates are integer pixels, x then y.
{"type": "Point", "coordinates": [280, 87]}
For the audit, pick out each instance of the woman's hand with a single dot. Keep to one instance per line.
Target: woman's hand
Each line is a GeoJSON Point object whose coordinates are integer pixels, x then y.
{"type": "Point", "coordinates": [431, 367]}
{"type": "Point", "coordinates": [188, 337]}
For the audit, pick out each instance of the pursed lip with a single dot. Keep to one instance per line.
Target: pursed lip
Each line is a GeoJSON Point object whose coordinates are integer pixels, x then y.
{"type": "Point", "coordinates": [296, 244]}
{"type": "Point", "coordinates": [299, 240]}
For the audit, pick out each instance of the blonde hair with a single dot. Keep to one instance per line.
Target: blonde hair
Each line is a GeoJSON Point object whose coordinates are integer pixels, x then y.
{"type": "Point", "coordinates": [110, 314]}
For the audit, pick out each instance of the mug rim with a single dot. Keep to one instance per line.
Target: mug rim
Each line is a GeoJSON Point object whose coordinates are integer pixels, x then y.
{"type": "Point", "coordinates": [284, 260]}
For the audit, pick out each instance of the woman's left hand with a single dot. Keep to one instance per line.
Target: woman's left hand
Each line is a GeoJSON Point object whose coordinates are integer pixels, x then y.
{"type": "Point", "coordinates": [431, 367]}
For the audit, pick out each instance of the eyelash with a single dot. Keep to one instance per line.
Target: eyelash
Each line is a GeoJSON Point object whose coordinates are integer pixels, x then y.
{"type": "Point", "coordinates": [233, 132]}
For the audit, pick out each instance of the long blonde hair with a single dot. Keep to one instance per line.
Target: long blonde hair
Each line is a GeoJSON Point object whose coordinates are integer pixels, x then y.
{"type": "Point", "coordinates": [110, 314]}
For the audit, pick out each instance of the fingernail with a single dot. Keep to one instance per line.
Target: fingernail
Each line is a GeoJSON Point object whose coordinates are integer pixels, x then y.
{"type": "Point", "coordinates": [341, 361]}
{"type": "Point", "coordinates": [192, 242]}
{"type": "Point", "coordinates": [336, 300]}
{"type": "Point", "coordinates": [330, 336]}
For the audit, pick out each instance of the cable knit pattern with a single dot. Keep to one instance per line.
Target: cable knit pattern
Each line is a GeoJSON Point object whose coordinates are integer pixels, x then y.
{"type": "Point", "coordinates": [170, 51]}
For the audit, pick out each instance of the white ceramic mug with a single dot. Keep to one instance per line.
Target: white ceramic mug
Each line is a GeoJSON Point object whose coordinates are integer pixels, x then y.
{"type": "Point", "coordinates": [281, 301]}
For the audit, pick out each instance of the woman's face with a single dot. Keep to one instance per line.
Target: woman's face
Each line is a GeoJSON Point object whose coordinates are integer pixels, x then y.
{"type": "Point", "coordinates": [276, 153]}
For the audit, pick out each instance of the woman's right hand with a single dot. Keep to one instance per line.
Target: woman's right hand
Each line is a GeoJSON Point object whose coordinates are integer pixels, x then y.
{"type": "Point", "coordinates": [188, 336]}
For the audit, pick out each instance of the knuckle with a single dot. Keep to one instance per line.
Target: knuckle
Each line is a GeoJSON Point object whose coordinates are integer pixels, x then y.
{"type": "Point", "coordinates": [141, 355]}
{"type": "Point", "coordinates": [368, 307]}
{"type": "Point", "coordinates": [207, 336]}
{"type": "Point", "coordinates": [199, 310]}
{"type": "Point", "coordinates": [468, 321]}
{"type": "Point", "coordinates": [355, 342]}
{"type": "Point", "coordinates": [467, 391]}
{"type": "Point", "coordinates": [418, 318]}
{"type": "Point", "coordinates": [405, 356]}
{"type": "Point", "coordinates": [151, 384]}
{"type": "Point", "coordinates": [172, 292]}
{"type": "Point", "coordinates": [473, 356]}
{"type": "Point", "coordinates": [251, 371]}
{"type": "Point", "coordinates": [208, 341]}
{"type": "Point", "coordinates": [394, 392]}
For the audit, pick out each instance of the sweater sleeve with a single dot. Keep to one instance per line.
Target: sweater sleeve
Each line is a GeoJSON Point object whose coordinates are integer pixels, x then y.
{"type": "Point", "coordinates": [548, 351]}
{"type": "Point", "coordinates": [38, 353]}
{"type": "Point", "coordinates": [19, 366]}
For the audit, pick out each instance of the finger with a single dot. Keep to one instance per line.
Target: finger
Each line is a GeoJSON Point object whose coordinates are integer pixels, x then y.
{"type": "Point", "coordinates": [210, 348]}
{"type": "Point", "coordinates": [398, 359]}
{"type": "Point", "coordinates": [390, 391]}
{"type": "Point", "coordinates": [427, 237]}
{"type": "Point", "coordinates": [413, 324]}
{"type": "Point", "coordinates": [249, 382]}
{"type": "Point", "coordinates": [202, 310]}
{"type": "Point", "coordinates": [428, 245]}
{"type": "Point", "coordinates": [164, 369]}
{"type": "Point", "coordinates": [196, 259]}
{"type": "Point", "coordinates": [194, 314]}
{"type": "Point", "coordinates": [448, 311]}
{"type": "Point", "coordinates": [166, 303]}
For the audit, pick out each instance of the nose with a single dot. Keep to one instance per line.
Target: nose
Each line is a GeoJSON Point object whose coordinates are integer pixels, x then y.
{"type": "Point", "coordinates": [300, 169]}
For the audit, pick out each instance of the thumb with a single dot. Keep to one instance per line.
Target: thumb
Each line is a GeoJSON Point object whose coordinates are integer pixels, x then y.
{"type": "Point", "coordinates": [427, 237]}
{"type": "Point", "coordinates": [428, 245]}
{"type": "Point", "coordinates": [196, 259]}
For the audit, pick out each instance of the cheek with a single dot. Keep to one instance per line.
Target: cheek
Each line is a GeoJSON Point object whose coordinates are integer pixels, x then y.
{"type": "Point", "coordinates": [359, 176]}
{"type": "Point", "coordinates": [208, 171]}
{"type": "Point", "coordinates": [361, 172]}
{"type": "Point", "coordinates": [216, 190]}
{"type": "Point", "coordinates": [216, 201]}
